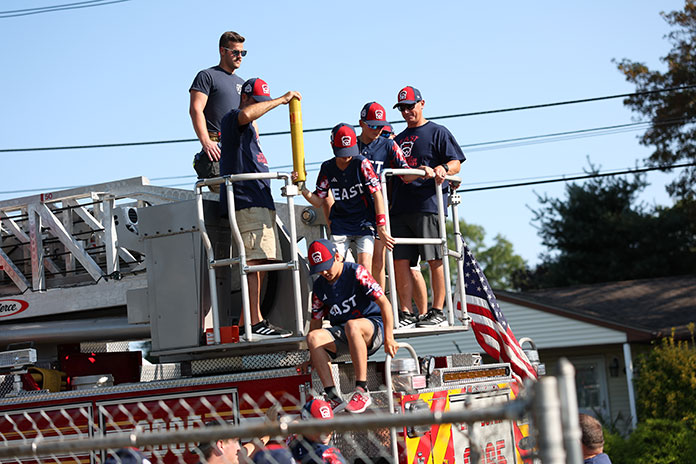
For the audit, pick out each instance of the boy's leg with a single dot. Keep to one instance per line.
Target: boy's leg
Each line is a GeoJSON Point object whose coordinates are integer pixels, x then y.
{"type": "Point", "coordinates": [420, 291]}
{"type": "Point", "coordinates": [318, 342]}
{"type": "Point", "coordinates": [359, 333]}
{"type": "Point", "coordinates": [365, 245]}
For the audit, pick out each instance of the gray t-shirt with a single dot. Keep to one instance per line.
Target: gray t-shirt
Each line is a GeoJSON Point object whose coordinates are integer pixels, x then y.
{"type": "Point", "coordinates": [223, 90]}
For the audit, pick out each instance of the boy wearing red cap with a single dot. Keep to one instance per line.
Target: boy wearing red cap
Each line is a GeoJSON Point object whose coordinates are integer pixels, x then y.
{"type": "Point", "coordinates": [350, 180]}
{"type": "Point", "coordinates": [253, 201]}
{"type": "Point", "coordinates": [360, 316]}
{"type": "Point", "coordinates": [315, 448]}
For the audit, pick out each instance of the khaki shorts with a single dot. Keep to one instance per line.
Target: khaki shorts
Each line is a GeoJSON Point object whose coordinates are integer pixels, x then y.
{"type": "Point", "coordinates": [258, 229]}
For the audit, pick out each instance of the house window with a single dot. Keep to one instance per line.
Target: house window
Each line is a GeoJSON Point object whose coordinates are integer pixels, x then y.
{"type": "Point", "coordinates": [591, 385]}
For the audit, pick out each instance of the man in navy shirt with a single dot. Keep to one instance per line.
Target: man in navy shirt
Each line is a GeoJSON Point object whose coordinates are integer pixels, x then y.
{"type": "Point", "coordinates": [253, 202]}
{"type": "Point", "coordinates": [349, 179]}
{"type": "Point", "coordinates": [592, 441]}
{"type": "Point", "coordinates": [431, 147]}
{"type": "Point", "coordinates": [360, 316]}
{"type": "Point", "coordinates": [213, 93]}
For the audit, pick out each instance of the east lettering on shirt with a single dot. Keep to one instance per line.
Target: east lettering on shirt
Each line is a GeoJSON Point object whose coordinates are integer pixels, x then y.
{"type": "Point", "coordinates": [352, 296]}
{"type": "Point", "coordinates": [241, 153]}
{"type": "Point", "coordinates": [351, 214]}
{"type": "Point", "coordinates": [431, 145]}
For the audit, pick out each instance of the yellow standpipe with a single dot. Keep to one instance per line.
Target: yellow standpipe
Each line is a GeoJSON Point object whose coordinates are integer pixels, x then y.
{"type": "Point", "coordinates": [298, 161]}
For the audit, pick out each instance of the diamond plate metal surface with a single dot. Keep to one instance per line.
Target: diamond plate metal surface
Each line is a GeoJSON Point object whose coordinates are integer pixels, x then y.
{"type": "Point", "coordinates": [249, 362]}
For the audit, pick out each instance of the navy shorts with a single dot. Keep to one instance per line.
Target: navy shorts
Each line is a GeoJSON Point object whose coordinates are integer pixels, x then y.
{"type": "Point", "coordinates": [341, 341]}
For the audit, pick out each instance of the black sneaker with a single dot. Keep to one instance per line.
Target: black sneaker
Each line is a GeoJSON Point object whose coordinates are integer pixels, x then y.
{"type": "Point", "coordinates": [433, 318]}
{"type": "Point", "coordinates": [265, 329]}
{"type": "Point", "coordinates": [406, 320]}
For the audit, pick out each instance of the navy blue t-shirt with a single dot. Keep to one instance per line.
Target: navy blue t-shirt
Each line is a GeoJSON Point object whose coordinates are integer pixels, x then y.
{"type": "Point", "coordinates": [241, 153]}
{"type": "Point", "coordinates": [383, 153]}
{"type": "Point", "coordinates": [223, 90]}
{"type": "Point", "coordinates": [305, 452]}
{"type": "Point", "coordinates": [431, 145]}
{"type": "Point", "coordinates": [351, 296]}
{"type": "Point", "coordinates": [351, 214]}
{"type": "Point", "coordinates": [601, 458]}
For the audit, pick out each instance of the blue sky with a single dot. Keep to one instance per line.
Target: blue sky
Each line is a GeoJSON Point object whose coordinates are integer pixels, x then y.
{"type": "Point", "coordinates": [121, 72]}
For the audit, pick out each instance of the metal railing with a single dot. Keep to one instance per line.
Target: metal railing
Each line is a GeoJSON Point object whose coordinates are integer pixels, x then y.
{"type": "Point", "coordinates": [289, 191]}
{"type": "Point", "coordinates": [440, 241]}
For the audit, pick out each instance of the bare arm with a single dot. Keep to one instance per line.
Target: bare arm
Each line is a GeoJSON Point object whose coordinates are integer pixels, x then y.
{"type": "Point", "coordinates": [255, 110]}
{"type": "Point", "coordinates": [196, 107]}
{"type": "Point", "coordinates": [390, 346]}
{"type": "Point", "coordinates": [440, 173]}
{"type": "Point", "coordinates": [381, 221]}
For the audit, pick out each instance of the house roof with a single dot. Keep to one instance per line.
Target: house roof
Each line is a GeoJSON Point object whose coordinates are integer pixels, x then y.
{"type": "Point", "coordinates": [644, 309]}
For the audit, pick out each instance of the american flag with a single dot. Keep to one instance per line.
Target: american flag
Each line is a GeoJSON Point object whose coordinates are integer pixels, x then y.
{"type": "Point", "coordinates": [492, 331]}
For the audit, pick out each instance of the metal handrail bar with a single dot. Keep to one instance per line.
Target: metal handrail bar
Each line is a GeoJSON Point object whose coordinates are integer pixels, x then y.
{"type": "Point", "coordinates": [442, 240]}
{"type": "Point", "coordinates": [289, 191]}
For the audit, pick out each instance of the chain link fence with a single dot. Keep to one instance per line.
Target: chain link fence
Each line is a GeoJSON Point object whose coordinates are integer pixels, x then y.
{"type": "Point", "coordinates": [454, 426]}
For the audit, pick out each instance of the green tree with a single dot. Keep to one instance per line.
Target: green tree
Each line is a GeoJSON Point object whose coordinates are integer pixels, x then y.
{"type": "Point", "coordinates": [499, 261]}
{"type": "Point", "coordinates": [666, 382]}
{"type": "Point", "coordinates": [599, 233]}
{"type": "Point", "coordinates": [672, 114]}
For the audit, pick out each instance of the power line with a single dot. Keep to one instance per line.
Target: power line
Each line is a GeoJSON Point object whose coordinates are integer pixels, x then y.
{"type": "Point", "coordinates": [586, 176]}
{"type": "Point", "coordinates": [538, 181]}
{"type": "Point", "coordinates": [63, 7]}
{"type": "Point", "coordinates": [320, 129]}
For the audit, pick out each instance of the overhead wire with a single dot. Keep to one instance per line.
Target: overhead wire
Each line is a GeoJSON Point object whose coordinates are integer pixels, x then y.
{"type": "Point", "coordinates": [320, 129]}
{"type": "Point", "coordinates": [63, 7]}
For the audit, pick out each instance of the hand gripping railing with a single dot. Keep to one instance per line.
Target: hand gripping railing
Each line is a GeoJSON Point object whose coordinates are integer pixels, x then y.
{"type": "Point", "coordinates": [441, 241]}
{"type": "Point", "coordinates": [289, 191]}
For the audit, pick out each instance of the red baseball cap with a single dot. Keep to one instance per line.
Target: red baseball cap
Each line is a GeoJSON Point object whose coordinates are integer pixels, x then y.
{"type": "Point", "coordinates": [317, 409]}
{"type": "Point", "coordinates": [373, 113]}
{"type": "Point", "coordinates": [344, 141]}
{"type": "Point", "coordinates": [408, 95]}
{"type": "Point", "coordinates": [257, 88]}
{"type": "Point", "coordinates": [321, 255]}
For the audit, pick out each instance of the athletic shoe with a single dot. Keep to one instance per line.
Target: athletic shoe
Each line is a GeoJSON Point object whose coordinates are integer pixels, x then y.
{"type": "Point", "coordinates": [433, 318]}
{"type": "Point", "coordinates": [265, 329]}
{"type": "Point", "coordinates": [337, 404]}
{"type": "Point", "coordinates": [406, 320]}
{"type": "Point", "coordinates": [359, 401]}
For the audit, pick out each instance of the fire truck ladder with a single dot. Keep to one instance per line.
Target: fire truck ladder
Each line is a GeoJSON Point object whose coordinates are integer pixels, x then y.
{"type": "Point", "coordinates": [441, 241]}
{"type": "Point", "coordinates": [289, 191]}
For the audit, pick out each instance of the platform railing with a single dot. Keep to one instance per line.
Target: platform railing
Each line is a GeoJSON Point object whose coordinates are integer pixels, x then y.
{"type": "Point", "coordinates": [440, 241]}
{"type": "Point", "coordinates": [289, 191]}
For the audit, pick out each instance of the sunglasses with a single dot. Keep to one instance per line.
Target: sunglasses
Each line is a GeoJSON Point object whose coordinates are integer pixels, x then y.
{"type": "Point", "coordinates": [236, 52]}
{"type": "Point", "coordinates": [386, 134]}
{"type": "Point", "coordinates": [373, 127]}
{"type": "Point", "coordinates": [405, 107]}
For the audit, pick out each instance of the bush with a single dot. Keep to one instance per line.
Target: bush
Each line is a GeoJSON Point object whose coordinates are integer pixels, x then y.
{"type": "Point", "coordinates": [666, 382]}
{"type": "Point", "coordinates": [655, 441]}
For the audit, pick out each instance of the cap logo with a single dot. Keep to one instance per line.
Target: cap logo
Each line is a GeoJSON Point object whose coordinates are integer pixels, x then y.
{"type": "Point", "coordinates": [363, 113]}
{"type": "Point", "coordinates": [316, 257]}
{"type": "Point", "coordinates": [402, 95]}
{"type": "Point", "coordinates": [247, 89]}
{"type": "Point", "coordinates": [379, 114]}
{"type": "Point", "coordinates": [264, 87]}
{"type": "Point", "coordinates": [345, 140]}
{"type": "Point", "coordinates": [325, 412]}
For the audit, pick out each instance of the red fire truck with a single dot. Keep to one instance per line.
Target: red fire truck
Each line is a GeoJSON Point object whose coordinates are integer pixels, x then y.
{"type": "Point", "coordinates": [90, 277]}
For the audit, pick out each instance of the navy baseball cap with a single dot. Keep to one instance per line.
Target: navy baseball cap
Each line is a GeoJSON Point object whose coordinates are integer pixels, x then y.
{"type": "Point", "coordinates": [373, 113]}
{"type": "Point", "coordinates": [274, 454]}
{"type": "Point", "coordinates": [257, 88]}
{"type": "Point", "coordinates": [408, 95]}
{"type": "Point", "coordinates": [126, 456]}
{"type": "Point", "coordinates": [344, 141]}
{"type": "Point", "coordinates": [317, 409]}
{"type": "Point", "coordinates": [321, 254]}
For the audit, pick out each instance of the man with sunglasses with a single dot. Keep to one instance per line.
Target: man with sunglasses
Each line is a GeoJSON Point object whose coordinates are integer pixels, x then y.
{"type": "Point", "coordinates": [214, 92]}
{"type": "Point", "coordinates": [431, 147]}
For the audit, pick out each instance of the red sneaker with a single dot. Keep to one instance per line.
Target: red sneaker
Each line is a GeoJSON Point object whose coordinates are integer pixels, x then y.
{"type": "Point", "coordinates": [359, 401]}
{"type": "Point", "coordinates": [337, 405]}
